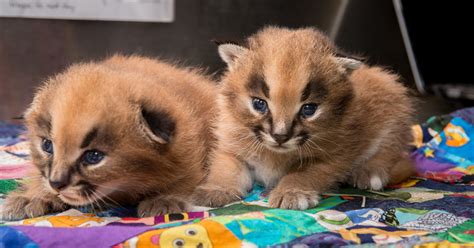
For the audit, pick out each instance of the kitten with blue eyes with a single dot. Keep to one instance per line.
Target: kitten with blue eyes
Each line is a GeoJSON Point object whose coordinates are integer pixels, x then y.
{"type": "Point", "coordinates": [124, 131]}
{"type": "Point", "coordinates": [298, 118]}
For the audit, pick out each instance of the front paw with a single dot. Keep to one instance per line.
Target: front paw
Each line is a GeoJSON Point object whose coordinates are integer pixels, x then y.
{"type": "Point", "coordinates": [293, 199]}
{"type": "Point", "coordinates": [215, 196]}
{"type": "Point", "coordinates": [363, 179]}
{"type": "Point", "coordinates": [161, 205]}
{"type": "Point", "coordinates": [19, 207]}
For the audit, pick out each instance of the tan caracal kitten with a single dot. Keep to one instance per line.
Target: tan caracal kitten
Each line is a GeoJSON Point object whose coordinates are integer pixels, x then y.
{"type": "Point", "coordinates": [128, 130]}
{"type": "Point", "coordinates": [299, 118]}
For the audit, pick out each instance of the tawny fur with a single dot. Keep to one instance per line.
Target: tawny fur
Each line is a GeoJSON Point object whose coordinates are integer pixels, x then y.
{"type": "Point", "coordinates": [138, 169]}
{"type": "Point", "coordinates": [359, 134]}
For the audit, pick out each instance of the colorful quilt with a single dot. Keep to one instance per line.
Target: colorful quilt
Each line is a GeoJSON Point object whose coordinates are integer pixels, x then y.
{"type": "Point", "coordinates": [435, 209]}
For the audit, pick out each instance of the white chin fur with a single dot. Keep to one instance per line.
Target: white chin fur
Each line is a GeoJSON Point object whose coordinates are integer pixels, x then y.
{"type": "Point", "coordinates": [76, 201]}
{"type": "Point", "coordinates": [72, 198]}
{"type": "Point", "coordinates": [278, 149]}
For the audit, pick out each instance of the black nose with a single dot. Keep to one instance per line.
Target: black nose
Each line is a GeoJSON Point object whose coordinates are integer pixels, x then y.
{"type": "Point", "coordinates": [59, 185]}
{"type": "Point", "coordinates": [281, 138]}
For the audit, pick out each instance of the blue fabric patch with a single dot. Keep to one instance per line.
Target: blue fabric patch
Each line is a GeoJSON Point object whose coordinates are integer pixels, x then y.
{"type": "Point", "coordinates": [459, 206]}
{"type": "Point", "coordinates": [429, 184]}
{"type": "Point", "coordinates": [455, 145]}
{"type": "Point", "coordinates": [10, 238]}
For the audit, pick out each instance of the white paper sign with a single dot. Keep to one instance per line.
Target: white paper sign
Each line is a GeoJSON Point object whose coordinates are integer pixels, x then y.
{"type": "Point", "coordinates": [107, 10]}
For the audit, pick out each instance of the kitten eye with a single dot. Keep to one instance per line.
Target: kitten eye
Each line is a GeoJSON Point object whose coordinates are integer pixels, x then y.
{"type": "Point", "coordinates": [47, 146]}
{"type": "Point", "coordinates": [93, 157]}
{"type": "Point", "coordinates": [308, 110]}
{"type": "Point", "coordinates": [259, 105]}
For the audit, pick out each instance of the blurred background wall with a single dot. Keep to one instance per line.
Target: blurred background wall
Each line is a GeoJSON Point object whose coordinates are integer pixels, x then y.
{"type": "Point", "coordinates": [33, 49]}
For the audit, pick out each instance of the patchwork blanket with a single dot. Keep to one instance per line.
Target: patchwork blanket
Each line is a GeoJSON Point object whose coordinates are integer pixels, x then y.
{"type": "Point", "coordinates": [435, 209]}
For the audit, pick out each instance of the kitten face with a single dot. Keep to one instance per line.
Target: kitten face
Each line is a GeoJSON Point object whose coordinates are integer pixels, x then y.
{"type": "Point", "coordinates": [78, 164]}
{"type": "Point", "coordinates": [92, 146]}
{"type": "Point", "coordinates": [283, 120]}
{"type": "Point", "coordinates": [289, 94]}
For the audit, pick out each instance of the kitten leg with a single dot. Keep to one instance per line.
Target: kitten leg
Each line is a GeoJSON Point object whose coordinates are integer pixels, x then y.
{"type": "Point", "coordinates": [31, 201]}
{"type": "Point", "coordinates": [228, 181]}
{"type": "Point", "coordinates": [162, 204]}
{"type": "Point", "coordinates": [175, 198]}
{"type": "Point", "coordinates": [401, 170]}
{"type": "Point", "coordinates": [366, 178]}
{"type": "Point", "coordinates": [300, 188]}
{"type": "Point", "coordinates": [383, 168]}
{"type": "Point", "coordinates": [372, 174]}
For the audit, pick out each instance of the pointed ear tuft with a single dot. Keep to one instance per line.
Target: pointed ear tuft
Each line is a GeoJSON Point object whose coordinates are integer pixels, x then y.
{"type": "Point", "coordinates": [348, 65]}
{"type": "Point", "coordinates": [221, 42]}
{"type": "Point", "coordinates": [230, 53]}
{"type": "Point", "coordinates": [157, 125]}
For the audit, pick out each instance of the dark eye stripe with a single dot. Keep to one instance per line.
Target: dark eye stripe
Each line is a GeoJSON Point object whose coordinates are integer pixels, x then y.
{"type": "Point", "coordinates": [257, 85]}
{"type": "Point", "coordinates": [44, 122]}
{"type": "Point", "coordinates": [314, 88]}
{"type": "Point", "coordinates": [91, 135]}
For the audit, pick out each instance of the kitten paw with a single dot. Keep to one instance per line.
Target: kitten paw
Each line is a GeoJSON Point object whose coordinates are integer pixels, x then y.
{"type": "Point", "coordinates": [19, 207]}
{"type": "Point", "coordinates": [161, 205]}
{"type": "Point", "coordinates": [293, 199]}
{"type": "Point", "coordinates": [215, 197]}
{"type": "Point", "coordinates": [373, 181]}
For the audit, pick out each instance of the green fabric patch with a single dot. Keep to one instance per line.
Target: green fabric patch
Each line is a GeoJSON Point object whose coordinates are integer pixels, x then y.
{"type": "Point", "coordinates": [240, 208]}
{"type": "Point", "coordinates": [7, 185]}
{"type": "Point", "coordinates": [387, 194]}
{"type": "Point", "coordinates": [271, 227]}
{"type": "Point", "coordinates": [413, 211]}
{"type": "Point", "coordinates": [326, 204]}
{"type": "Point", "coordinates": [237, 209]}
{"type": "Point", "coordinates": [463, 233]}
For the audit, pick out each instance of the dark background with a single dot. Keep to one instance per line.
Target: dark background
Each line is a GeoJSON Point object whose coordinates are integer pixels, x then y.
{"type": "Point", "coordinates": [33, 49]}
{"type": "Point", "coordinates": [440, 41]}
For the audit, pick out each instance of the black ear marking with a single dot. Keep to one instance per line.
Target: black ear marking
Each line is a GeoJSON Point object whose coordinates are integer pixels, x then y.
{"type": "Point", "coordinates": [160, 124]}
{"type": "Point", "coordinates": [233, 42]}
{"type": "Point", "coordinates": [19, 117]}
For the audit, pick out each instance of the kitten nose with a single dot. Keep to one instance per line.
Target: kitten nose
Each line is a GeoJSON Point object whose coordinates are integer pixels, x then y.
{"type": "Point", "coordinates": [59, 185]}
{"type": "Point", "coordinates": [281, 138]}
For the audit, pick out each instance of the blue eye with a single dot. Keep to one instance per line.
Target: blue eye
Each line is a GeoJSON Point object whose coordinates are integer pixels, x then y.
{"type": "Point", "coordinates": [93, 157]}
{"type": "Point", "coordinates": [308, 110]}
{"type": "Point", "coordinates": [47, 146]}
{"type": "Point", "coordinates": [259, 105]}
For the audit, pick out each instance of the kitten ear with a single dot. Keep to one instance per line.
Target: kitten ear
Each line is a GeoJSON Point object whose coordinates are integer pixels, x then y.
{"type": "Point", "coordinates": [230, 53]}
{"type": "Point", "coordinates": [159, 126]}
{"type": "Point", "coordinates": [348, 64]}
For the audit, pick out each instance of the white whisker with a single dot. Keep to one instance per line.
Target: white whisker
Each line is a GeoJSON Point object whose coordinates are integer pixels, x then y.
{"type": "Point", "coordinates": [314, 145]}
{"type": "Point", "coordinates": [90, 202]}
{"type": "Point", "coordinates": [113, 189]}
{"type": "Point", "coordinates": [100, 193]}
{"type": "Point", "coordinates": [300, 158]}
